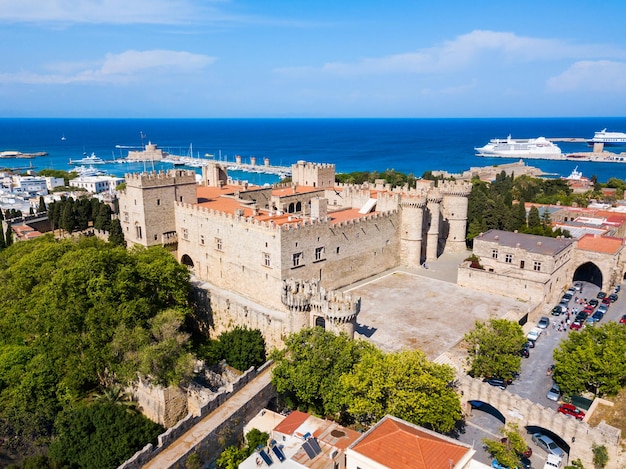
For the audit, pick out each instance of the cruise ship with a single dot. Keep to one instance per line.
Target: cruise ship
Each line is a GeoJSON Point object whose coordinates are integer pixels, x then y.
{"type": "Point", "coordinates": [539, 148]}
{"type": "Point", "coordinates": [608, 138]}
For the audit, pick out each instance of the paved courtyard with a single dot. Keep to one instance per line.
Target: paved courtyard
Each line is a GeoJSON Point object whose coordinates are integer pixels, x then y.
{"type": "Point", "coordinates": [424, 308]}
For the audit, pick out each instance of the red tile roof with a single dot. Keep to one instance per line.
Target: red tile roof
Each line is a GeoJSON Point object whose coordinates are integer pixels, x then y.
{"type": "Point", "coordinates": [291, 422]}
{"type": "Point", "coordinates": [605, 244]}
{"type": "Point", "coordinates": [400, 445]}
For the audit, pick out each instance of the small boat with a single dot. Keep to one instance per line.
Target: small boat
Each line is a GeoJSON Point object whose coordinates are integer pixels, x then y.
{"type": "Point", "coordinates": [91, 159]}
{"type": "Point", "coordinates": [63, 138]}
{"type": "Point", "coordinates": [85, 171]}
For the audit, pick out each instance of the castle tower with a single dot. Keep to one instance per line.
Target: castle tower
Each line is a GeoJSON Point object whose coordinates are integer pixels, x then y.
{"type": "Point", "coordinates": [313, 174]}
{"type": "Point", "coordinates": [148, 203]}
{"type": "Point", "coordinates": [214, 175]}
{"type": "Point", "coordinates": [432, 237]}
{"type": "Point", "coordinates": [454, 210]}
{"type": "Point", "coordinates": [411, 231]}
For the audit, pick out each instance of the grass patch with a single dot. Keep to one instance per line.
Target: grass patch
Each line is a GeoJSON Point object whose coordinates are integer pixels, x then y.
{"type": "Point", "coordinates": [613, 415]}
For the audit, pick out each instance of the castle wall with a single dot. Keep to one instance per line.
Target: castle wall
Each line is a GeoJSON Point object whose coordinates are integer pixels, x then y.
{"type": "Point", "coordinates": [343, 253]}
{"type": "Point", "coordinates": [232, 252]}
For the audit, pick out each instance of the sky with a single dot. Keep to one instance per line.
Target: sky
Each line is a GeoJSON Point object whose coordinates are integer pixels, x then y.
{"type": "Point", "coordinates": [312, 58]}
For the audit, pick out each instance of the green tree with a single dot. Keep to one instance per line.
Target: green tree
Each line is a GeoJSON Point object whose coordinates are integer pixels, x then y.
{"type": "Point", "coordinates": [308, 370]}
{"type": "Point", "coordinates": [508, 449]}
{"type": "Point", "coordinates": [592, 360]}
{"type": "Point", "coordinates": [533, 218]}
{"type": "Point", "coordinates": [242, 348]}
{"type": "Point", "coordinates": [255, 438]}
{"type": "Point", "coordinates": [102, 220]}
{"type": "Point", "coordinates": [600, 456]}
{"type": "Point", "coordinates": [42, 205]}
{"type": "Point", "coordinates": [8, 235]}
{"type": "Point", "coordinates": [116, 235]}
{"type": "Point", "coordinates": [403, 384]}
{"type": "Point", "coordinates": [494, 348]}
{"type": "Point", "coordinates": [100, 435]}
{"type": "Point", "coordinates": [575, 464]}
{"type": "Point", "coordinates": [231, 457]}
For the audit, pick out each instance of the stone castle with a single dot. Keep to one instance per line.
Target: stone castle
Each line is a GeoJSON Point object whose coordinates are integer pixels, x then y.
{"type": "Point", "coordinates": [276, 257]}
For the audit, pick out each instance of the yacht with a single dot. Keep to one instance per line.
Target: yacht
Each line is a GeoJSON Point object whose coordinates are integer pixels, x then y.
{"type": "Point", "coordinates": [608, 138]}
{"type": "Point", "coordinates": [539, 147]}
{"type": "Point", "coordinates": [91, 159]}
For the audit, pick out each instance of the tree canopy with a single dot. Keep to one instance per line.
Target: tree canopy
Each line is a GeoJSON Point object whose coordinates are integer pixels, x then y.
{"type": "Point", "coordinates": [332, 375]}
{"type": "Point", "coordinates": [508, 449]}
{"type": "Point", "coordinates": [73, 315]}
{"type": "Point", "coordinates": [494, 348]}
{"type": "Point", "coordinates": [592, 359]}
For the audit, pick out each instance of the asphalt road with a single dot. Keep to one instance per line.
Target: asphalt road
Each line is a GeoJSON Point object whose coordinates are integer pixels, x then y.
{"type": "Point", "coordinates": [533, 382]}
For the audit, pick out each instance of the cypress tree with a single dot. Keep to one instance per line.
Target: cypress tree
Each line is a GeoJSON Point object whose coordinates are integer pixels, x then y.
{"type": "Point", "coordinates": [8, 236]}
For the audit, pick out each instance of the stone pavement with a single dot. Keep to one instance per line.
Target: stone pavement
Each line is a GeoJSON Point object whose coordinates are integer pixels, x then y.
{"type": "Point", "coordinates": [423, 308]}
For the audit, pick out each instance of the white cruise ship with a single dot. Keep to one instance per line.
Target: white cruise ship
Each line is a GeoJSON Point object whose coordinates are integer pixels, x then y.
{"type": "Point", "coordinates": [608, 138]}
{"type": "Point", "coordinates": [539, 148]}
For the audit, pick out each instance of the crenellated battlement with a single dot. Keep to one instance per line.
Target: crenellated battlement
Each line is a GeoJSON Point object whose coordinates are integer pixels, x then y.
{"type": "Point", "coordinates": [435, 197]}
{"type": "Point", "coordinates": [160, 178]}
{"type": "Point", "coordinates": [306, 295]}
{"type": "Point", "coordinates": [455, 188]}
{"type": "Point", "coordinates": [310, 165]}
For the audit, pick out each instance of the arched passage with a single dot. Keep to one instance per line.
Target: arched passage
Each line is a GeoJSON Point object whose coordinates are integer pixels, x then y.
{"type": "Point", "coordinates": [564, 445]}
{"type": "Point", "coordinates": [320, 322]}
{"type": "Point", "coordinates": [589, 272]}
{"type": "Point", "coordinates": [186, 260]}
{"type": "Point", "coordinates": [488, 409]}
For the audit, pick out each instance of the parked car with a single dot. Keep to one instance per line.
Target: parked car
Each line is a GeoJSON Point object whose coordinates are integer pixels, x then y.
{"type": "Point", "coordinates": [530, 343]}
{"type": "Point", "coordinates": [593, 302]}
{"type": "Point", "coordinates": [623, 319]}
{"type": "Point", "coordinates": [526, 464]}
{"type": "Point", "coordinates": [581, 316]}
{"type": "Point", "coordinates": [613, 297]}
{"type": "Point", "coordinates": [554, 393]}
{"type": "Point", "coordinates": [546, 443]}
{"type": "Point", "coordinates": [496, 382]}
{"type": "Point", "coordinates": [533, 334]}
{"type": "Point", "coordinates": [601, 295]}
{"type": "Point", "coordinates": [603, 308]}
{"type": "Point", "coordinates": [558, 310]}
{"type": "Point", "coordinates": [543, 323]}
{"type": "Point", "coordinates": [553, 462]}
{"type": "Point", "coordinates": [576, 325]}
{"type": "Point", "coordinates": [589, 322]}
{"type": "Point", "coordinates": [577, 286]}
{"type": "Point", "coordinates": [588, 309]}
{"type": "Point", "coordinates": [606, 300]}
{"type": "Point", "coordinates": [567, 296]}
{"type": "Point", "coordinates": [525, 352]}
{"type": "Point", "coordinates": [617, 288]}
{"type": "Point", "coordinates": [569, 409]}
{"type": "Point", "coordinates": [597, 316]}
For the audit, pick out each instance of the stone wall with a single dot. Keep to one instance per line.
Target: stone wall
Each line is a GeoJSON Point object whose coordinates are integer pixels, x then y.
{"type": "Point", "coordinates": [226, 434]}
{"type": "Point", "coordinates": [579, 436]}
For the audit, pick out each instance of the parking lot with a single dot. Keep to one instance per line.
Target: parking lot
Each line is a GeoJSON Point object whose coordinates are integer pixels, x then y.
{"type": "Point", "coordinates": [425, 309]}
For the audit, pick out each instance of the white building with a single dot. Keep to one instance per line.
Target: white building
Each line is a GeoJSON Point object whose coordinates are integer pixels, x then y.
{"type": "Point", "coordinates": [97, 184]}
{"type": "Point", "coordinates": [52, 183]}
{"type": "Point", "coordinates": [29, 185]}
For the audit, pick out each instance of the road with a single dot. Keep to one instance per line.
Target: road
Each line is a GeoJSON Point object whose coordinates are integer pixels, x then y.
{"type": "Point", "coordinates": [533, 382]}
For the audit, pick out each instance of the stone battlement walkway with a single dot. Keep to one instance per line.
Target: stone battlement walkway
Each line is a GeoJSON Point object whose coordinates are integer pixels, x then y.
{"type": "Point", "coordinates": [192, 438]}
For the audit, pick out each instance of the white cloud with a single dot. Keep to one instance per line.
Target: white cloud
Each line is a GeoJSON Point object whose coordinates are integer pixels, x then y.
{"type": "Point", "coordinates": [484, 47]}
{"type": "Point", "coordinates": [116, 68]}
{"type": "Point", "coordinates": [598, 76]}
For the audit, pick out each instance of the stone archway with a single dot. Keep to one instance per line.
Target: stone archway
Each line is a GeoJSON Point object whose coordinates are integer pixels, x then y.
{"type": "Point", "coordinates": [589, 272]}
{"type": "Point", "coordinates": [320, 322]}
{"type": "Point", "coordinates": [488, 409]}
{"type": "Point", "coordinates": [186, 260]}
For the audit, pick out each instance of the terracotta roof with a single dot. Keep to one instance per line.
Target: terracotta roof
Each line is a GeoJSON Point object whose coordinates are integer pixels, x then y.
{"type": "Point", "coordinates": [343, 215]}
{"type": "Point", "coordinates": [291, 422]}
{"type": "Point", "coordinates": [399, 445]}
{"type": "Point", "coordinates": [605, 244]}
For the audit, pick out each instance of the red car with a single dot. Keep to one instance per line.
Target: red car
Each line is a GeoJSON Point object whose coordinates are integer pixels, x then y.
{"type": "Point", "coordinates": [623, 319]}
{"type": "Point", "coordinates": [569, 409]}
{"type": "Point", "coordinates": [588, 309]}
{"type": "Point", "coordinates": [576, 325]}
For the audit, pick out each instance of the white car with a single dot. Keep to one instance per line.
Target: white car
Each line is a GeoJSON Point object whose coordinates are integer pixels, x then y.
{"type": "Point", "coordinates": [553, 462]}
{"type": "Point", "coordinates": [533, 334]}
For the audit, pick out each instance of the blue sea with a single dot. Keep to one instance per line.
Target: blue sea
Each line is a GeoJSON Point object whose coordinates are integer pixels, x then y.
{"type": "Point", "coordinates": [407, 145]}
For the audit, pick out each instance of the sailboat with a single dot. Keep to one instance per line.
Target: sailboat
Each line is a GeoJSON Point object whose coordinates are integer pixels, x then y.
{"type": "Point", "coordinates": [63, 137]}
